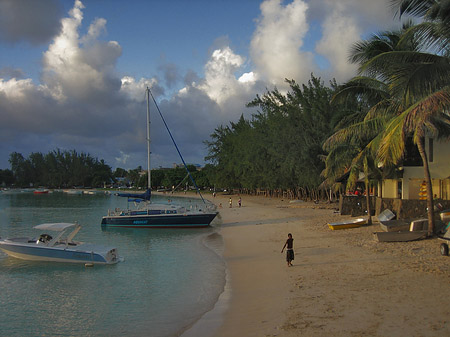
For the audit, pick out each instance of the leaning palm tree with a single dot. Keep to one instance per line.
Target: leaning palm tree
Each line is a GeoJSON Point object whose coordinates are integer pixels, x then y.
{"type": "Point", "coordinates": [419, 80]}
{"type": "Point", "coordinates": [358, 139]}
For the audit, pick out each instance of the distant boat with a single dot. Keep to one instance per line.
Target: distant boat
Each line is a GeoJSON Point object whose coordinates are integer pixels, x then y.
{"type": "Point", "coordinates": [41, 191]}
{"type": "Point", "coordinates": [60, 248]}
{"type": "Point", "coordinates": [74, 192]}
{"type": "Point", "coordinates": [351, 223]}
{"type": "Point", "coordinates": [148, 215]}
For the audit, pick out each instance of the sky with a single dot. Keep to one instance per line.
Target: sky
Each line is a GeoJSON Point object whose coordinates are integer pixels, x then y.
{"type": "Point", "coordinates": [73, 73]}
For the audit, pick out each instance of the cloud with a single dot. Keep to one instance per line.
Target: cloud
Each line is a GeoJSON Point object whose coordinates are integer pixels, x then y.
{"type": "Point", "coordinates": [170, 74]}
{"type": "Point", "coordinates": [32, 21]}
{"type": "Point", "coordinates": [220, 80]}
{"type": "Point", "coordinates": [276, 46]}
{"type": "Point", "coordinates": [80, 67]}
{"type": "Point", "coordinates": [10, 72]}
{"type": "Point", "coordinates": [340, 31]}
{"type": "Point", "coordinates": [343, 23]}
{"type": "Point", "coordinates": [80, 102]}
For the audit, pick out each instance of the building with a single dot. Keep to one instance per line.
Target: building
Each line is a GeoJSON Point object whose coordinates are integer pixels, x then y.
{"type": "Point", "coordinates": [408, 185]}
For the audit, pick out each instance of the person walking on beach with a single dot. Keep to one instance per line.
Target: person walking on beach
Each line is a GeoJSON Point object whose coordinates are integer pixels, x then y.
{"type": "Point", "coordinates": [240, 201]}
{"type": "Point", "coordinates": [231, 203]}
{"type": "Point", "coordinates": [289, 245]}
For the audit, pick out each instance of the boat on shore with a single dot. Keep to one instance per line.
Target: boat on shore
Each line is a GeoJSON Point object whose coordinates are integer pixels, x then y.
{"type": "Point", "coordinates": [404, 236]}
{"type": "Point", "coordinates": [399, 225]}
{"type": "Point", "coordinates": [345, 224]}
{"type": "Point", "coordinates": [149, 215]}
{"type": "Point", "coordinates": [60, 248]}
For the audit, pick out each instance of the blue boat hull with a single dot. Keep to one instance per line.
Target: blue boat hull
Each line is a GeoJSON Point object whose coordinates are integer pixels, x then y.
{"type": "Point", "coordinates": [160, 221]}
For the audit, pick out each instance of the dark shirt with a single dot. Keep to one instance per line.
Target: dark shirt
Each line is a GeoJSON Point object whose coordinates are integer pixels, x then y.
{"type": "Point", "coordinates": [290, 243]}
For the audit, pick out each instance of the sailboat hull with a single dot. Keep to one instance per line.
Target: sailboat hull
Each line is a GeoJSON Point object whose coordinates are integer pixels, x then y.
{"type": "Point", "coordinates": [160, 221]}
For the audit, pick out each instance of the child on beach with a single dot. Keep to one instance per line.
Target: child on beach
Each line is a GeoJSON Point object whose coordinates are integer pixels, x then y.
{"type": "Point", "coordinates": [289, 245]}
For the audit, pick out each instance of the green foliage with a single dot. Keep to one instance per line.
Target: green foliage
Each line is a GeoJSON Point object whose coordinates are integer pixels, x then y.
{"type": "Point", "coordinates": [6, 178]}
{"type": "Point", "coordinates": [281, 146]}
{"type": "Point", "coordinates": [59, 169]}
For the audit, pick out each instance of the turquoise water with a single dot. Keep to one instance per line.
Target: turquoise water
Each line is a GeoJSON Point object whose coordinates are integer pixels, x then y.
{"type": "Point", "coordinates": [168, 280]}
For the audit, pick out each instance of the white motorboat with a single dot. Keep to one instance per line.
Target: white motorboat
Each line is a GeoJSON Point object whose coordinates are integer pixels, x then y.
{"type": "Point", "coordinates": [60, 248]}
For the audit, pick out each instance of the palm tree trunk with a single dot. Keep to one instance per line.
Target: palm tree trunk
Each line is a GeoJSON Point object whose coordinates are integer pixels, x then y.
{"type": "Point", "coordinates": [366, 181]}
{"type": "Point", "coordinates": [426, 168]}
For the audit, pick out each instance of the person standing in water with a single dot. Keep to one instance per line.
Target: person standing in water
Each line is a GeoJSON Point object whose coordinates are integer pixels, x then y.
{"type": "Point", "coordinates": [289, 245]}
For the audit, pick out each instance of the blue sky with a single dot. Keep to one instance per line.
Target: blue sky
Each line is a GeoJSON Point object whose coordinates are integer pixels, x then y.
{"type": "Point", "coordinates": [73, 73]}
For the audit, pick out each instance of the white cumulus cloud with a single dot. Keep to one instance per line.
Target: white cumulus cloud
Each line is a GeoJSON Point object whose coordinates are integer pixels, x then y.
{"type": "Point", "coordinates": [276, 47]}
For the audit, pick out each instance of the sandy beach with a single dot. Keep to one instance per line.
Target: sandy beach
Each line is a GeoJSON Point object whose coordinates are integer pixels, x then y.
{"type": "Point", "coordinates": [343, 283]}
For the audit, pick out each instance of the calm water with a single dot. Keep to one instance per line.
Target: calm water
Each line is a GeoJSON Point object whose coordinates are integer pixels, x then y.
{"type": "Point", "coordinates": [168, 280]}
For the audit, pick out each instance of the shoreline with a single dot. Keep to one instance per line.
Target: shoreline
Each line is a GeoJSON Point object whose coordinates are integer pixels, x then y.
{"type": "Point", "coordinates": [343, 283]}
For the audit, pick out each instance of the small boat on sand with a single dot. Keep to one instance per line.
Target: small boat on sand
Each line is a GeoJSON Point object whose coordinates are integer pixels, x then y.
{"type": "Point", "coordinates": [345, 224]}
{"type": "Point", "coordinates": [399, 225]}
{"type": "Point", "coordinates": [400, 236]}
{"type": "Point", "coordinates": [60, 248]}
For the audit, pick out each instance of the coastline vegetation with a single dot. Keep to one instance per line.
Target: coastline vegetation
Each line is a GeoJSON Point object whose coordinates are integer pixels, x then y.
{"type": "Point", "coordinates": [67, 169]}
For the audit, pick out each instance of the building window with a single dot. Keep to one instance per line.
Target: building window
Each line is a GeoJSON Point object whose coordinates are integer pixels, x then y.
{"type": "Point", "coordinates": [411, 155]}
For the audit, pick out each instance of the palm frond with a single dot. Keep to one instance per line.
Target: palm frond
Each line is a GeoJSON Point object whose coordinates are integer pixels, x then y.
{"type": "Point", "coordinates": [432, 36]}
{"type": "Point", "coordinates": [412, 7]}
{"type": "Point", "coordinates": [410, 74]}
{"type": "Point", "coordinates": [383, 110]}
{"type": "Point", "coordinates": [338, 161]}
{"type": "Point", "coordinates": [426, 112]}
{"type": "Point", "coordinates": [392, 141]}
{"type": "Point", "coordinates": [370, 88]}
{"type": "Point", "coordinates": [358, 133]}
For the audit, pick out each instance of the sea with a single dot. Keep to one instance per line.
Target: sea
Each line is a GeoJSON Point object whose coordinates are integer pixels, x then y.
{"type": "Point", "coordinates": [168, 280]}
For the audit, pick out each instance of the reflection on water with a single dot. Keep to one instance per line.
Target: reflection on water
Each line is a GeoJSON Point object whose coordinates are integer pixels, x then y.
{"type": "Point", "coordinates": [168, 280]}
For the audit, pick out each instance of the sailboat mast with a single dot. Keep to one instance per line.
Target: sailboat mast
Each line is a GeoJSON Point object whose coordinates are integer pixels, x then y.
{"type": "Point", "coordinates": [148, 138]}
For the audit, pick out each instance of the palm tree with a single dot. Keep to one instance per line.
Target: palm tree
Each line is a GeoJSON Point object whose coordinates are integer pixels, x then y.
{"type": "Point", "coordinates": [420, 81]}
{"type": "Point", "coordinates": [353, 146]}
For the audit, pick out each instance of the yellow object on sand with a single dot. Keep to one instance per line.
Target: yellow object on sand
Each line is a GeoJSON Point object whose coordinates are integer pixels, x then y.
{"type": "Point", "coordinates": [351, 223]}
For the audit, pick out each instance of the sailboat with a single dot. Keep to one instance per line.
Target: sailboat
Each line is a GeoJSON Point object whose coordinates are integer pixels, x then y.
{"type": "Point", "coordinates": [149, 215]}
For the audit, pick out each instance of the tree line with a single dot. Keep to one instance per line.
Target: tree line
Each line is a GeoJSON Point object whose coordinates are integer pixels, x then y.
{"type": "Point", "coordinates": [68, 169]}
{"type": "Point", "coordinates": [59, 169]}
{"type": "Point", "coordinates": [280, 147]}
